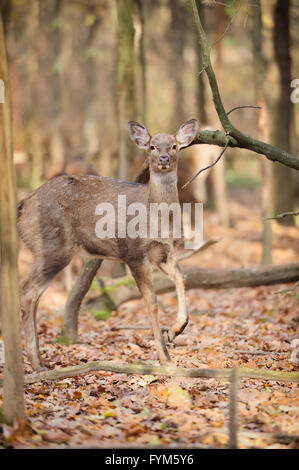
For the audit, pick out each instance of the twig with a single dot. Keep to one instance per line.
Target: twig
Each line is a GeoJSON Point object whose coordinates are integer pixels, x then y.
{"type": "Point", "coordinates": [207, 167]}
{"type": "Point", "coordinates": [166, 371]}
{"type": "Point", "coordinates": [202, 70]}
{"type": "Point", "coordinates": [136, 327]}
{"type": "Point", "coordinates": [285, 291]}
{"type": "Point", "coordinates": [243, 106]}
{"type": "Point", "coordinates": [227, 27]}
{"type": "Point", "coordinates": [282, 215]}
{"type": "Point", "coordinates": [258, 353]}
{"type": "Point", "coordinates": [225, 146]}
{"type": "Point", "coordinates": [189, 253]}
{"type": "Point", "coordinates": [233, 418]}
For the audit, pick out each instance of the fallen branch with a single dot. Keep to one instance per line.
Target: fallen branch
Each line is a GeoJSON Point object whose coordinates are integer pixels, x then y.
{"type": "Point", "coordinates": [137, 327]}
{"type": "Point", "coordinates": [147, 369]}
{"type": "Point", "coordinates": [111, 293]}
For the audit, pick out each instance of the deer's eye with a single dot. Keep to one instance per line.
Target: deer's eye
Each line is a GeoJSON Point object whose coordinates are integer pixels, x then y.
{"type": "Point", "coordinates": [152, 147]}
{"type": "Point", "coordinates": [174, 146]}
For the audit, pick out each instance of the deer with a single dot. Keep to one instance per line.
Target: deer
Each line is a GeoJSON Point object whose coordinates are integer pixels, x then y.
{"type": "Point", "coordinates": [58, 220]}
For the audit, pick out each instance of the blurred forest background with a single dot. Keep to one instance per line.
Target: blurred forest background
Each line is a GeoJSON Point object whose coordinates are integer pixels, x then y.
{"type": "Point", "coordinates": [79, 70]}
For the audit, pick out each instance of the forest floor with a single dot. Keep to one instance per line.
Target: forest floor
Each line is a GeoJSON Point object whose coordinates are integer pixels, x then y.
{"type": "Point", "coordinates": [250, 327]}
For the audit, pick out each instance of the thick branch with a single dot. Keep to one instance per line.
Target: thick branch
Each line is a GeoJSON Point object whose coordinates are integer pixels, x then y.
{"type": "Point", "coordinates": [122, 290]}
{"type": "Point", "coordinates": [145, 369]}
{"type": "Point", "coordinates": [242, 140]}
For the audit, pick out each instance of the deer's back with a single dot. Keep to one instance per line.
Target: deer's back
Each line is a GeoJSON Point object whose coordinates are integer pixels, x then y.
{"type": "Point", "coordinates": [61, 213]}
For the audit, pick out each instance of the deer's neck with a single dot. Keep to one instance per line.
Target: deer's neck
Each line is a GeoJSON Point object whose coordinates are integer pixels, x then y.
{"type": "Point", "coordinates": [163, 187]}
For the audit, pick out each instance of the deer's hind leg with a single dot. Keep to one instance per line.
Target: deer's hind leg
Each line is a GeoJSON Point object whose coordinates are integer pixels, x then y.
{"type": "Point", "coordinates": [173, 271]}
{"type": "Point", "coordinates": [143, 276]}
{"type": "Point", "coordinates": [43, 271]}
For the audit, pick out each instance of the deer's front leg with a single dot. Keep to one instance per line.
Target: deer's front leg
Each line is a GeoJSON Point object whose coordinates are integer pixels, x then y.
{"type": "Point", "coordinates": [172, 269]}
{"type": "Point", "coordinates": [143, 277]}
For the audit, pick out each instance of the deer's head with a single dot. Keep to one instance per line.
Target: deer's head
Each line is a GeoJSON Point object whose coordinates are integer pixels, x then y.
{"type": "Point", "coordinates": [162, 149]}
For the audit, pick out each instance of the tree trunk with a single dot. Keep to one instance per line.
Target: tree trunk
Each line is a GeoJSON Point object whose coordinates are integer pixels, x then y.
{"type": "Point", "coordinates": [177, 34]}
{"type": "Point", "coordinates": [69, 330]}
{"type": "Point", "coordinates": [91, 131]}
{"type": "Point", "coordinates": [142, 61]}
{"type": "Point", "coordinates": [283, 191]}
{"type": "Point", "coordinates": [33, 119]}
{"type": "Point", "coordinates": [125, 87]}
{"type": "Point", "coordinates": [263, 126]}
{"type": "Point", "coordinates": [13, 401]}
{"type": "Point", "coordinates": [218, 172]}
{"type": "Point", "coordinates": [201, 88]}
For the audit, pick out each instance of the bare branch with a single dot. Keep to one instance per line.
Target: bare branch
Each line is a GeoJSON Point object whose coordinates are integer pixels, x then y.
{"type": "Point", "coordinates": [203, 246]}
{"type": "Point", "coordinates": [207, 167]}
{"type": "Point", "coordinates": [227, 27]}
{"type": "Point", "coordinates": [242, 140]}
{"type": "Point", "coordinates": [243, 106]}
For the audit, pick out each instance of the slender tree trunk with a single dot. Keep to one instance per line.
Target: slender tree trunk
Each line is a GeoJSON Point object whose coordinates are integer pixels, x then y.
{"type": "Point", "coordinates": [91, 125]}
{"type": "Point", "coordinates": [33, 119]}
{"type": "Point", "coordinates": [125, 88]}
{"type": "Point", "coordinates": [142, 60]}
{"type": "Point", "coordinates": [73, 79]}
{"type": "Point", "coordinates": [283, 191]}
{"type": "Point", "coordinates": [51, 21]}
{"type": "Point", "coordinates": [263, 125]}
{"type": "Point", "coordinates": [13, 401]}
{"type": "Point", "coordinates": [201, 88]}
{"type": "Point", "coordinates": [218, 172]}
{"type": "Point", "coordinates": [177, 35]}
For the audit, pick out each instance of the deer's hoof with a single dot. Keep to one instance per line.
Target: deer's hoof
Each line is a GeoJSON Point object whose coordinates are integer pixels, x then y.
{"type": "Point", "coordinates": [171, 335]}
{"type": "Point", "coordinates": [39, 367]}
{"type": "Point", "coordinates": [174, 332]}
{"type": "Point", "coordinates": [170, 365]}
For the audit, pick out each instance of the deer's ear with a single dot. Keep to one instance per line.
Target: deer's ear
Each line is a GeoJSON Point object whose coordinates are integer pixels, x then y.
{"type": "Point", "coordinates": [187, 133]}
{"type": "Point", "coordinates": [139, 134]}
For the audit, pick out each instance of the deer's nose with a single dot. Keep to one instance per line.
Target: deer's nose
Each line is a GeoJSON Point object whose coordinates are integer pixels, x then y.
{"type": "Point", "coordinates": [164, 159]}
